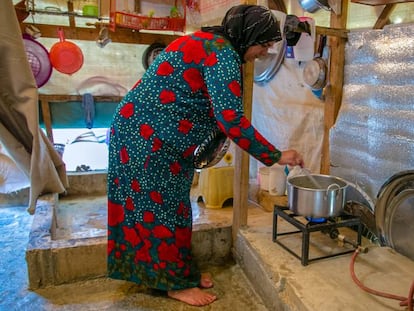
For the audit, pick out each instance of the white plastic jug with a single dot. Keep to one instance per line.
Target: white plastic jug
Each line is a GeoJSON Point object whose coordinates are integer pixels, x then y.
{"type": "Point", "coordinates": [273, 179]}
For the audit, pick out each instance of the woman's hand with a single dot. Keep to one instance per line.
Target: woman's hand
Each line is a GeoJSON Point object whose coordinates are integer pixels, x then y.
{"type": "Point", "coordinates": [291, 157]}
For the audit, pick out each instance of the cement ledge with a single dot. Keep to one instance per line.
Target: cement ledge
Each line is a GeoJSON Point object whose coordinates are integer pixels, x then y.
{"type": "Point", "coordinates": [324, 285]}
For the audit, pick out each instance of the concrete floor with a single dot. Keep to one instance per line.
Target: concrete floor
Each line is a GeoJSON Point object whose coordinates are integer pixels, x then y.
{"type": "Point", "coordinates": [264, 276]}
{"type": "Point", "coordinates": [233, 289]}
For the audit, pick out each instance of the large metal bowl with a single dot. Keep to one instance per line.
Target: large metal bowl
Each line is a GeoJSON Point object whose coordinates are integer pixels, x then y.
{"type": "Point", "coordinates": [312, 6]}
{"type": "Point", "coordinates": [326, 198]}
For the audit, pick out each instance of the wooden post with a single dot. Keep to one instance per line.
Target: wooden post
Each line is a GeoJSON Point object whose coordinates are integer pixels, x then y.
{"type": "Point", "coordinates": [241, 169]}
{"type": "Point", "coordinates": [336, 80]}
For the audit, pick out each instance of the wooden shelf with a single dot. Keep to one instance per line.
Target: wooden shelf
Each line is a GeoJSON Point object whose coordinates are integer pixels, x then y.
{"type": "Point", "coordinates": [380, 2]}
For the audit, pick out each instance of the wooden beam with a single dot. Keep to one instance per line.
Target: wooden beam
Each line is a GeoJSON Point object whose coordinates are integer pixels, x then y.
{"type": "Point", "coordinates": [333, 90]}
{"type": "Point", "coordinates": [384, 17]}
{"type": "Point", "coordinates": [47, 118]}
{"type": "Point", "coordinates": [335, 32]}
{"type": "Point", "coordinates": [242, 159]}
{"type": "Point", "coordinates": [121, 35]}
{"type": "Point", "coordinates": [278, 5]}
{"type": "Point", "coordinates": [380, 2]}
{"type": "Point", "coordinates": [241, 166]}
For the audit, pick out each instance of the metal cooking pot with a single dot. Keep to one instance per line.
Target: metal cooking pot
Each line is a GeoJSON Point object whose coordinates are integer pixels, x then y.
{"type": "Point", "coordinates": [307, 199]}
{"type": "Point", "coordinates": [312, 6]}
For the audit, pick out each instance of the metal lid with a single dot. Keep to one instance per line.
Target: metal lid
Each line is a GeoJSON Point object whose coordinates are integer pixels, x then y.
{"type": "Point", "coordinates": [265, 68]}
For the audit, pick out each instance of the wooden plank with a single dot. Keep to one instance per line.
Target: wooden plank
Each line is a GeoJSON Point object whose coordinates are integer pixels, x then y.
{"type": "Point", "coordinates": [241, 166]}
{"type": "Point", "coordinates": [333, 90]}
{"type": "Point", "coordinates": [242, 159]}
{"type": "Point", "coordinates": [342, 33]}
{"type": "Point", "coordinates": [68, 98]}
{"type": "Point", "coordinates": [383, 19]}
{"type": "Point", "coordinates": [121, 35]}
{"type": "Point", "coordinates": [380, 2]}
{"type": "Point", "coordinates": [47, 118]}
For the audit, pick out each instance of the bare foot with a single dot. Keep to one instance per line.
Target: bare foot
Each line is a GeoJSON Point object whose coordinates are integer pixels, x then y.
{"type": "Point", "coordinates": [206, 281]}
{"type": "Point", "coordinates": [192, 296]}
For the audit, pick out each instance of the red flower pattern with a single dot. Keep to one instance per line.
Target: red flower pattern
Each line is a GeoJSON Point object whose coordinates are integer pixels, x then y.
{"type": "Point", "coordinates": [143, 232]}
{"type": "Point", "coordinates": [127, 110]}
{"type": "Point", "coordinates": [162, 232]}
{"type": "Point", "coordinates": [185, 126]}
{"type": "Point", "coordinates": [143, 254]}
{"type": "Point", "coordinates": [194, 79]}
{"type": "Point", "coordinates": [244, 143]}
{"type": "Point", "coordinates": [175, 168]}
{"type": "Point", "coordinates": [183, 237]}
{"type": "Point", "coordinates": [135, 185]}
{"type": "Point", "coordinates": [156, 197]}
{"type": "Point", "coordinates": [157, 144]}
{"type": "Point", "coordinates": [235, 132]}
{"type": "Point", "coordinates": [189, 151]}
{"type": "Point", "coordinates": [124, 155]}
{"type": "Point", "coordinates": [167, 97]}
{"type": "Point", "coordinates": [115, 213]}
{"type": "Point", "coordinates": [165, 69]}
{"type": "Point", "coordinates": [110, 246]}
{"type": "Point", "coordinates": [244, 123]}
{"type": "Point", "coordinates": [235, 88]}
{"type": "Point", "coordinates": [204, 35]}
{"type": "Point", "coordinates": [131, 236]}
{"type": "Point", "coordinates": [129, 204]}
{"type": "Point", "coordinates": [167, 252]}
{"type": "Point", "coordinates": [149, 217]}
{"type": "Point", "coordinates": [145, 130]}
{"type": "Point", "coordinates": [193, 52]}
{"type": "Point", "coordinates": [229, 115]}
{"type": "Point", "coordinates": [211, 60]}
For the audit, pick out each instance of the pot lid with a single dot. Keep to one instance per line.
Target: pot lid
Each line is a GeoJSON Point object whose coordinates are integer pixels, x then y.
{"type": "Point", "coordinates": [265, 68]}
{"type": "Point", "coordinates": [399, 223]}
{"type": "Point", "coordinates": [392, 187]}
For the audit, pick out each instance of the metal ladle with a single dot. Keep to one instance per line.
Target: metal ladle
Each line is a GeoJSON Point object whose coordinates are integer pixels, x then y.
{"type": "Point", "coordinates": [312, 179]}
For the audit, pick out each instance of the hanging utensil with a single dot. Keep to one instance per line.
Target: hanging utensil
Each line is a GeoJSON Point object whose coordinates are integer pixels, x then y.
{"type": "Point", "coordinates": [38, 58]}
{"type": "Point", "coordinates": [315, 71]}
{"type": "Point", "coordinates": [65, 56]}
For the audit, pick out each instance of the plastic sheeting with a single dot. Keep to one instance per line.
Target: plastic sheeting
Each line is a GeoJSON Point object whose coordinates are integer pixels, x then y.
{"type": "Point", "coordinates": [289, 115]}
{"type": "Point", "coordinates": [374, 134]}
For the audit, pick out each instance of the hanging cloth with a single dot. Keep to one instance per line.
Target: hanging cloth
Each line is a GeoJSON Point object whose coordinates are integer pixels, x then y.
{"type": "Point", "coordinates": [88, 105]}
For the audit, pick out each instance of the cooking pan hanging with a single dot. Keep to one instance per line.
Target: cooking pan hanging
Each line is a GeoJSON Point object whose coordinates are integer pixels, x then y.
{"type": "Point", "coordinates": [38, 58]}
{"type": "Point", "coordinates": [65, 56]}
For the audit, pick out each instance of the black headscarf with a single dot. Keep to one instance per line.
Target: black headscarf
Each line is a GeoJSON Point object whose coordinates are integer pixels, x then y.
{"type": "Point", "coordinates": [247, 25]}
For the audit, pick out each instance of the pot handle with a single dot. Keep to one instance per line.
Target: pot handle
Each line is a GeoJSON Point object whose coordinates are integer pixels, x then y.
{"type": "Point", "coordinates": [332, 191]}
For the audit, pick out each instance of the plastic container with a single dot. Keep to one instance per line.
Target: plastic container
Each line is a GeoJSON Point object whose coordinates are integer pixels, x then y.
{"type": "Point", "coordinates": [273, 179]}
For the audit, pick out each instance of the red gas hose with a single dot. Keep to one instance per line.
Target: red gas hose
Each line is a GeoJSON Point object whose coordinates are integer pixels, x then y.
{"type": "Point", "coordinates": [404, 300]}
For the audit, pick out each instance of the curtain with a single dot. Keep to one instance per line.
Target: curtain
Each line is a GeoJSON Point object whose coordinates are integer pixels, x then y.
{"type": "Point", "coordinates": [20, 133]}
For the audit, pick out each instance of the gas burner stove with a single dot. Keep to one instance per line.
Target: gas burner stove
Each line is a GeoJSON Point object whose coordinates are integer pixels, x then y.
{"type": "Point", "coordinates": [306, 226]}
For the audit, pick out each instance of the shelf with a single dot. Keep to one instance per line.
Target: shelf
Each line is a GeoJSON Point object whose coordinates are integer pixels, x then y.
{"type": "Point", "coordinates": [380, 2]}
{"type": "Point", "coordinates": [121, 16]}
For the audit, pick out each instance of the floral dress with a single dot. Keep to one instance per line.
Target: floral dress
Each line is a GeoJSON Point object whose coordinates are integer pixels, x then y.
{"type": "Point", "coordinates": [191, 87]}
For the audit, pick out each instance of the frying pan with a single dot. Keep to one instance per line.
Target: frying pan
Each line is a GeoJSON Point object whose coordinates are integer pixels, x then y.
{"type": "Point", "coordinates": [38, 58]}
{"type": "Point", "coordinates": [66, 56]}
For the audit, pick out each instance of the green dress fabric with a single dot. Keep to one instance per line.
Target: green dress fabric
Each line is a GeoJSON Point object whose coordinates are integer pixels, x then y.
{"type": "Point", "coordinates": [191, 87]}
